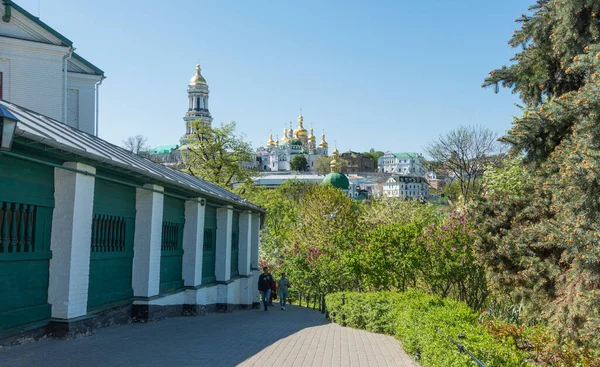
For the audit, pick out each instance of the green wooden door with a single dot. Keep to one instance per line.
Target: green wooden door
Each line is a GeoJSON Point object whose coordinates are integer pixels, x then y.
{"type": "Point", "coordinates": [235, 245]}
{"type": "Point", "coordinates": [26, 204]}
{"type": "Point", "coordinates": [111, 258]}
{"type": "Point", "coordinates": [209, 249]}
{"type": "Point", "coordinates": [171, 249]}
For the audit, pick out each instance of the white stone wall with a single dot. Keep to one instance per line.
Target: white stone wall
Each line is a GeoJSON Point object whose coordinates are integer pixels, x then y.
{"type": "Point", "coordinates": [33, 76]}
{"type": "Point", "coordinates": [233, 292]}
{"type": "Point", "coordinates": [86, 86]}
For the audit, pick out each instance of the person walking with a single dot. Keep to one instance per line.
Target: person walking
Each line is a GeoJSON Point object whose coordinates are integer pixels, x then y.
{"type": "Point", "coordinates": [265, 283]}
{"type": "Point", "coordinates": [284, 284]}
{"type": "Point", "coordinates": [273, 290]}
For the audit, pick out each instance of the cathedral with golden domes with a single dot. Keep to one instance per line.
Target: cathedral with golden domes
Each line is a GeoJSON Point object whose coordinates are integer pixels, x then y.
{"type": "Point", "coordinates": [277, 154]}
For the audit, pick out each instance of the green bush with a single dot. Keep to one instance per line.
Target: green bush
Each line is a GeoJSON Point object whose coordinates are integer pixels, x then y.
{"type": "Point", "coordinates": [423, 322]}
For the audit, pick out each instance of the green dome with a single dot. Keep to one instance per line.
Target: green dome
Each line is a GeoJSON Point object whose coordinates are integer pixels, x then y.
{"type": "Point", "coordinates": [338, 180]}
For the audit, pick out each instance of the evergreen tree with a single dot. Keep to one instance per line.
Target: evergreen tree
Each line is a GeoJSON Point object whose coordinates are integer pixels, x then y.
{"type": "Point", "coordinates": [541, 244]}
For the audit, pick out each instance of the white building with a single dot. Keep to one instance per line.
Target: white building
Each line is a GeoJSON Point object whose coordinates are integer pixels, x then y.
{"type": "Point", "coordinates": [401, 163]}
{"type": "Point", "coordinates": [406, 186]}
{"type": "Point", "coordinates": [277, 155]}
{"type": "Point", "coordinates": [90, 233]}
{"type": "Point", "coordinates": [39, 70]}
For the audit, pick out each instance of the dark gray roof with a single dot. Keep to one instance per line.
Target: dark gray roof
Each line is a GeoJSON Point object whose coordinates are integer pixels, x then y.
{"type": "Point", "coordinates": [50, 132]}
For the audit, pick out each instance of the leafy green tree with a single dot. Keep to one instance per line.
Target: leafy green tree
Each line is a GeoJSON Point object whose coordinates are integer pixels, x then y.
{"type": "Point", "coordinates": [374, 155]}
{"type": "Point", "coordinates": [540, 245]}
{"type": "Point", "coordinates": [281, 205]}
{"type": "Point", "coordinates": [217, 154]}
{"type": "Point", "coordinates": [321, 241]}
{"type": "Point", "coordinates": [448, 264]}
{"type": "Point", "coordinates": [322, 165]}
{"type": "Point", "coordinates": [299, 163]}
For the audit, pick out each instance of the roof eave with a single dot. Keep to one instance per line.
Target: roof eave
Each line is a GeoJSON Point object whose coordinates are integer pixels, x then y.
{"type": "Point", "coordinates": [36, 20]}
{"type": "Point", "coordinates": [96, 69]}
{"type": "Point", "coordinates": [66, 148]}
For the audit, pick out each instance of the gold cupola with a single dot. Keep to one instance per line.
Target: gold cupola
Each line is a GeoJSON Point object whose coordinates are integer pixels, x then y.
{"type": "Point", "coordinates": [311, 137]}
{"type": "Point", "coordinates": [198, 79]}
{"type": "Point", "coordinates": [284, 139]}
{"type": "Point", "coordinates": [335, 165]}
{"type": "Point", "coordinates": [270, 142]}
{"type": "Point", "coordinates": [323, 143]}
{"type": "Point", "coordinates": [300, 131]}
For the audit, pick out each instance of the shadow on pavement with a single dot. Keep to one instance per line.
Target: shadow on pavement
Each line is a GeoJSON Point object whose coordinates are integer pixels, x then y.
{"type": "Point", "coordinates": [221, 339]}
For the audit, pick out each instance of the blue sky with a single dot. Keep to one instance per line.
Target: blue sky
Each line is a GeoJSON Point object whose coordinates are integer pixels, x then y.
{"type": "Point", "coordinates": [389, 75]}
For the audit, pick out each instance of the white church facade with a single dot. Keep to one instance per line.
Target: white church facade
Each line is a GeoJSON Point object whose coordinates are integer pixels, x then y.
{"type": "Point", "coordinates": [277, 154]}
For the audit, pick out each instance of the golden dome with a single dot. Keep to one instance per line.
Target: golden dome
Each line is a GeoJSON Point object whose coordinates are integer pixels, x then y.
{"type": "Point", "coordinates": [300, 132]}
{"type": "Point", "coordinates": [270, 142]}
{"type": "Point", "coordinates": [311, 137]}
{"type": "Point", "coordinates": [284, 139]}
{"type": "Point", "coordinates": [323, 143]}
{"type": "Point", "coordinates": [197, 79]}
{"type": "Point", "coordinates": [335, 165]}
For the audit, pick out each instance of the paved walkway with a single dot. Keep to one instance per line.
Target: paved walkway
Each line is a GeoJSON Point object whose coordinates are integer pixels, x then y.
{"type": "Point", "coordinates": [295, 337]}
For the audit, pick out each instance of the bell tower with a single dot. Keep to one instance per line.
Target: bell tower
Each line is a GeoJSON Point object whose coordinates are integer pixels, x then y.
{"type": "Point", "coordinates": [197, 102]}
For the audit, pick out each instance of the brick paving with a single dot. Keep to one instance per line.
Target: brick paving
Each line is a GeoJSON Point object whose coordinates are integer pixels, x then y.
{"type": "Point", "coordinates": [295, 337]}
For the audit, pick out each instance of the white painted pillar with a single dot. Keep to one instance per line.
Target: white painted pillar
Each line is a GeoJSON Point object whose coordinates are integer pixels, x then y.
{"type": "Point", "coordinates": [254, 257]}
{"type": "Point", "coordinates": [223, 253]}
{"type": "Point", "coordinates": [193, 242]}
{"type": "Point", "coordinates": [245, 250]}
{"type": "Point", "coordinates": [146, 246]}
{"type": "Point", "coordinates": [254, 240]}
{"type": "Point", "coordinates": [70, 241]}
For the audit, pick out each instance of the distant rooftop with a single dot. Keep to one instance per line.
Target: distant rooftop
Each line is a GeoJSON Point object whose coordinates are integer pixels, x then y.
{"type": "Point", "coordinates": [163, 149]}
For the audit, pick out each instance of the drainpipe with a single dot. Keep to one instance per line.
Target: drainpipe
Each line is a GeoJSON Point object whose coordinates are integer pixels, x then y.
{"type": "Point", "coordinates": [7, 10]}
{"type": "Point", "coordinates": [65, 61]}
{"type": "Point", "coordinates": [98, 84]}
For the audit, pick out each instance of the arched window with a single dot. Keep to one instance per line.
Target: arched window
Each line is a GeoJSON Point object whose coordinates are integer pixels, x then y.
{"type": "Point", "coordinates": [197, 103]}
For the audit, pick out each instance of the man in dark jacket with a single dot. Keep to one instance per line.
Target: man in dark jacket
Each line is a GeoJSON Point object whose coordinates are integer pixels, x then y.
{"type": "Point", "coordinates": [265, 283]}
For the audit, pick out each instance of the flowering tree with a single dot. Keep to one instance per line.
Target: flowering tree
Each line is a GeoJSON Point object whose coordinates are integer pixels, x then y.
{"type": "Point", "coordinates": [448, 265]}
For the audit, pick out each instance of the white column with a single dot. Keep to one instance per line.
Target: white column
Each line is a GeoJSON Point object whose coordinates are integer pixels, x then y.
{"type": "Point", "coordinates": [146, 246]}
{"type": "Point", "coordinates": [223, 253]}
{"type": "Point", "coordinates": [70, 241]}
{"type": "Point", "coordinates": [254, 239]}
{"type": "Point", "coordinates": [193, 241]}
{"type": "Point", "coordinates": [245, 243]}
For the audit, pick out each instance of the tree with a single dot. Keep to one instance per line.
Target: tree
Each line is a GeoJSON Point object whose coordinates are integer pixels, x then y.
{"type": "Point", "coordinates": [217, 154]}
{"type": "Point", "coordinates": [464, 152]}
{"type": "Point", "coordinates": [540, 243]}
{"type": "Point", "coordinates": [299, 163]}
{"type": "Point", "coordinates": [322, 165]}
{"type": "Point", "coordinates": [374, 155]}
{"type": "Point", "coordinates": [136, 144]}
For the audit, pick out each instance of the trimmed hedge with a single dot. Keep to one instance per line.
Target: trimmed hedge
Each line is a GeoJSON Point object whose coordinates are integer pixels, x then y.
{"type": "Point", "coordinates": [423, 322]}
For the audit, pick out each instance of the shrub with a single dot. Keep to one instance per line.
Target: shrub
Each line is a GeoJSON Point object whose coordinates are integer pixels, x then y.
{"type": "Point", "coordinates": [423, 323]}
